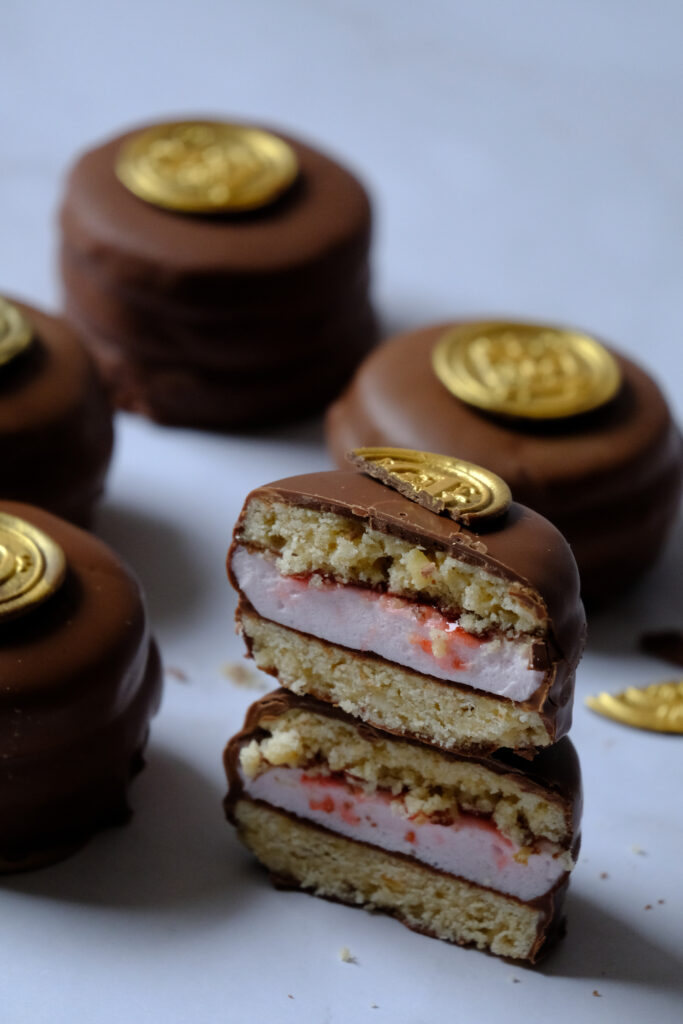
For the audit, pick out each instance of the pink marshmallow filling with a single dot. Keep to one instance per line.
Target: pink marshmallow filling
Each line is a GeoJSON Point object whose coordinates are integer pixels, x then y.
{"type": "Point", "coordinates": [413, 635]}
{"type": "Point", "coordinates": [469, 847]}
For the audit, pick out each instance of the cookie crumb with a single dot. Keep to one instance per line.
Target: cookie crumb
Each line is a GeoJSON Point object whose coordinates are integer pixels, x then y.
{"type": "Point", "coordinates": [638, 850]}
{"type": "Point", "coordinates": [661, 902]}
{"type": "Point", "coordinates": [515, 981]}
{"type": "Point", "coordinates": [648, 906]}
{"type": "Point", "coordinates": [374, 1006]}
{"type": "Point", "coordinates": [176, 673]}
{"type": "Point", "coordinates": [603, 874]}
{"type": "Point", "coordinates": [346, 956]}
{"type": "Point", "coordinates": [240, 675]}
{"type": "Point", "coordinates": [289, 997]}
{"type": "Point", "coordinates": [596, 993]}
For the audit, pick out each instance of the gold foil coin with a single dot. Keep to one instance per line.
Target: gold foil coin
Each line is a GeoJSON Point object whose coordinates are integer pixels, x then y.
{"type": "Point", "coordinates": [440, 483]}
{"type": "Point", "coordinates": [16, 332]}
{"type": "Point", "coordinates": [206, 166]}
{"type": "Point", "coordinates": [658, 708]}
{"type": "Point", "coordinates": [32, 566]}
{"type": "Point", "coordinates": [523, 370]}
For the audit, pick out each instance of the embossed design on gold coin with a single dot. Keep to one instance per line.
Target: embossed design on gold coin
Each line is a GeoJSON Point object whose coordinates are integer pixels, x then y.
{"type": "Point", "coordinates": [32, 566]}
{"type": "Point", "coordinates": [440, 483]}
{"type": "Point", "coordinates": [206, 166]}
{"type": "Point", "coordinates": [525, 370]}
{"type": "Point", "coordinates": [658, 707]}
{"type": "Point", "coordinates": [16, 332]}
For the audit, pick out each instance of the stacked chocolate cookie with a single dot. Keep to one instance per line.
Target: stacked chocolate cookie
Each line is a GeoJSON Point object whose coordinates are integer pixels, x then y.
{"type": "Point", "coordinates": [81, 680]}
{"type": "Point", "coordinates": [427, 641]}
{"type": "Point", "coordinates": [219, 273]}
{"type": "Point", "coordinates": [56, 431]}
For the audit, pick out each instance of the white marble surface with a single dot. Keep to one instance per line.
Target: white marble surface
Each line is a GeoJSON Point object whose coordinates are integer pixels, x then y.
{"type": "Point", "coordinates": [525, 159]}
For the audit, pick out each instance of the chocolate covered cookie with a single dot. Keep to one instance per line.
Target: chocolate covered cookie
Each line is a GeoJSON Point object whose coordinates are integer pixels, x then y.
{"type": "Point", "coordinates": [81, 679]}
{"type": "Point", "coordinates": [476, 851]}
{"type": "Point", "coordinates": [581, 434]}
{"type": "Point", "coordinates": [55, 420]}
{"type": "Point", "coordinates": [421, 622]}
{"type": "Point", "coordinates": [466, 637]}
{"type": "Point", "coordinates": [218, 272]}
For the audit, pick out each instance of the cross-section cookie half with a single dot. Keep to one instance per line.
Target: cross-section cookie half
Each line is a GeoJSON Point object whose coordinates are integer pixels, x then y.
{"type": "Point", "coordinates": [474, 850]}
{"type": "Point", "coordinates": [464, 638]}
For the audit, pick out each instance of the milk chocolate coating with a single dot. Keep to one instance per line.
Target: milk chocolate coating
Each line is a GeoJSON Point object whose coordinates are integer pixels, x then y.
{"type": "Point", "coordinates": [610, 479]}
{"type": "Point", "coordinates": [220, 321]}
{"type": "Point", "coordinates": [56, 432]}
{"type": "Point", "coordinates": [521, 547]}
{"type": "Point", "coordinates": [555, 772]}
{"type": "Point", "coordinates": [81, 678]}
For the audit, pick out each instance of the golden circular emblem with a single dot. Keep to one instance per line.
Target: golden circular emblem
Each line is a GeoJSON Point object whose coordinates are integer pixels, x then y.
{"type": "Point", "coordinates": [525, 370]}
{"type": "Point", "coordinates": [658, 707]}
{"type": "Point", "coordinates": [16, 332]}
{"type": "Point", "coordinates": [206, 166]}
{"type": "Point", "coordinates": [440, 483]}
{"type": "Point", "coordinates": [32, 566]}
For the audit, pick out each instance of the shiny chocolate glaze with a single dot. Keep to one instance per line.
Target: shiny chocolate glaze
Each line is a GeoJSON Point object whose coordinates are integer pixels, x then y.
{"type": "Point", "coordinates": [520, 547]}
{"type": "Point", "coordinates": [610, 479]}
{"type": "Point", "coordinates": [56, 430]}
{"type": "Point", "coordinates": [81, 678]}
{"type": "Point", "coordinates": [220, 321]}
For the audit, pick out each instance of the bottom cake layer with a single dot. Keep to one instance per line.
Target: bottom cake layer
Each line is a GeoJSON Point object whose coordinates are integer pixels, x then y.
{"type": "Point", "coordinates": [306, 856]}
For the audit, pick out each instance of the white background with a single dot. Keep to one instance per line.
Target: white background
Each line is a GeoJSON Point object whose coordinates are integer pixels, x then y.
{"type": "Point", "coordinates": [525, 159]}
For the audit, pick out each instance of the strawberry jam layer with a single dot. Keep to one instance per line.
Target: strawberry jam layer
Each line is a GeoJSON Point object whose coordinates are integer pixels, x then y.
{"type": "Point", "coordinates": [415, 636]}
{"type": "Point", "coordinates": [466, 846]}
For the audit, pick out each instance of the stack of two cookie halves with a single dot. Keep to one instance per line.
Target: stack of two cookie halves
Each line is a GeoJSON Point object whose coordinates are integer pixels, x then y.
{"type": "Point", "coordinates": [425, 631]}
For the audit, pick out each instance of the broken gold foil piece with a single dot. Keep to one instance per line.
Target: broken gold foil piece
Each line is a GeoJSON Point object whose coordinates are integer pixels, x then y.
{"type": "Point", "coordinates": [440, 483]}
{"type": "Point", "coordinates": [658, 707]}
{"type": "Point", "coordinates": [528, 371]}
{"type": "Point", "coordinates": [32, 566]}
{"type": "Point", "coordinates": [206, 166]}
{"type": "Point", "coordinates": [16, 333]}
